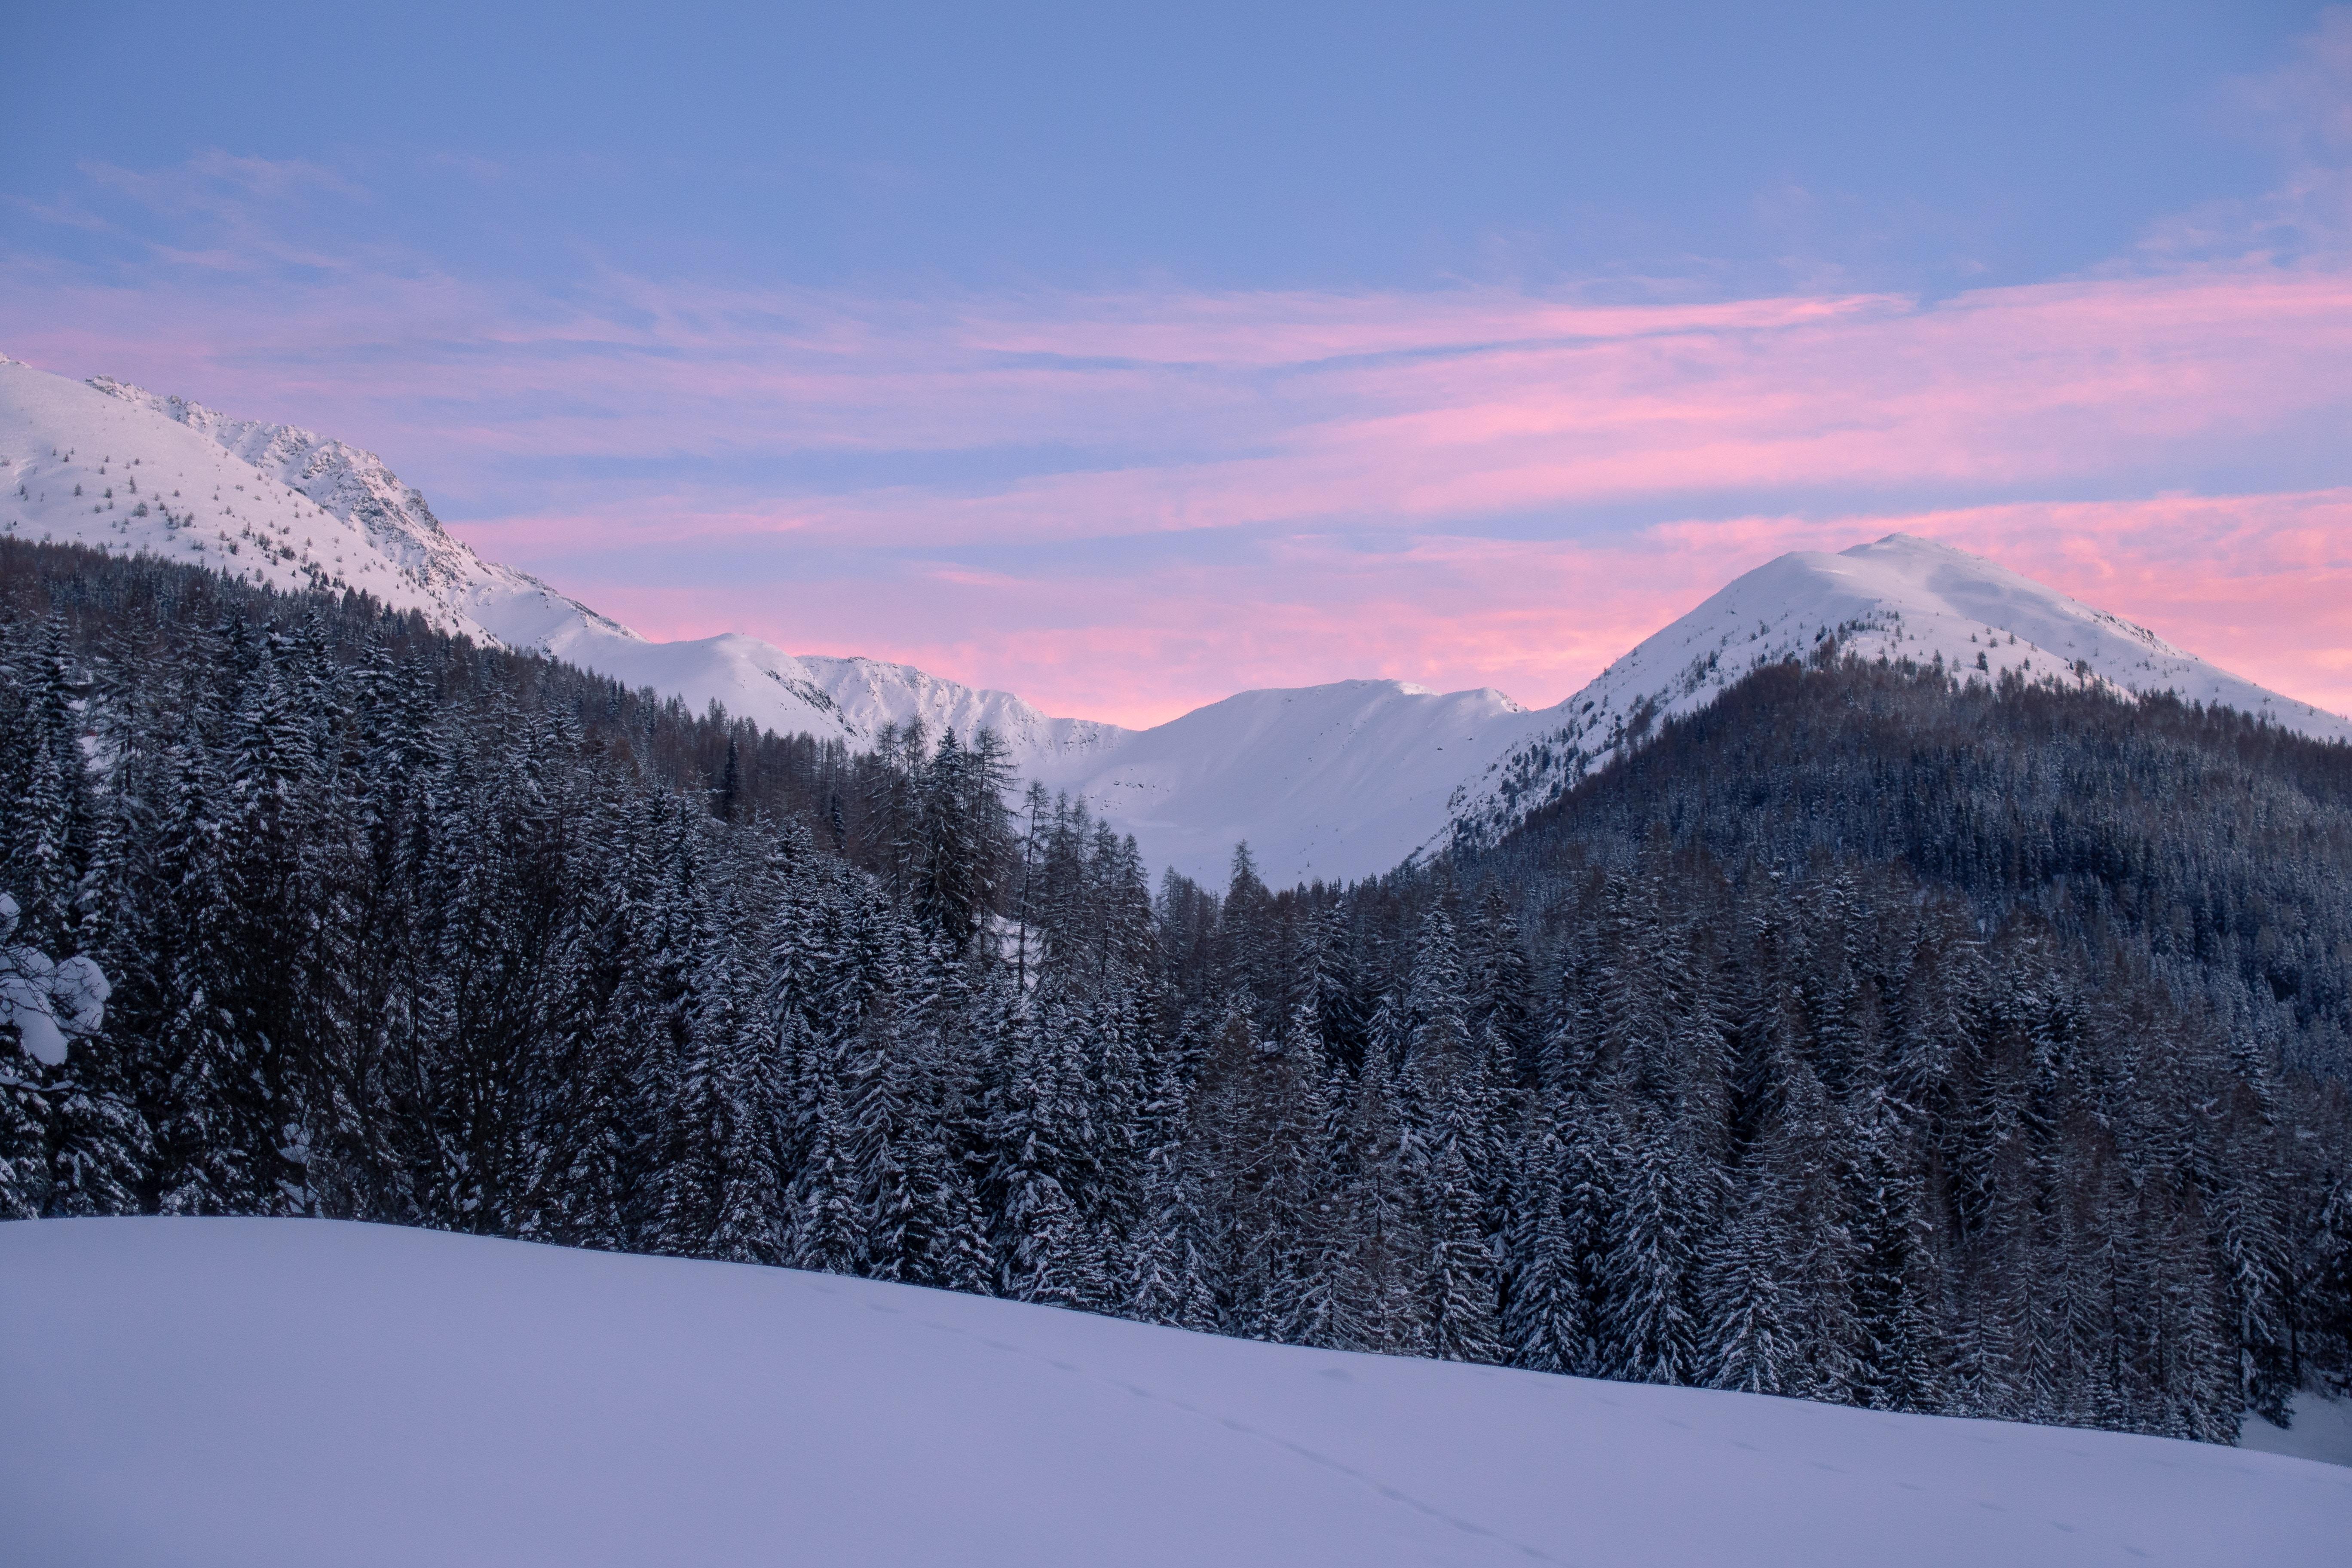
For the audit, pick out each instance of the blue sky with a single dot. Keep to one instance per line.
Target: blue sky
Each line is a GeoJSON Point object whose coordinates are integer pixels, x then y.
{"type": "Point", "coordinates": [1889, 145]}
{"type": "Point", "coordinates": [971, 334]}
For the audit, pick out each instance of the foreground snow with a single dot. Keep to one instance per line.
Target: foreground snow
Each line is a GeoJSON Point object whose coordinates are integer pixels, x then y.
{"type": "Point", "coordinates": [2322, 1430]}
{"type": "Point", "coordinates": [265, 1392]}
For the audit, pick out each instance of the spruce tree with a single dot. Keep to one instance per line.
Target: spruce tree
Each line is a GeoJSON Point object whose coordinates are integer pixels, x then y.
{"type": "Point", "coordinates": [1547, 1322]}
{"type": "Point", "coordinates": [1751, 1333]}
{"type": "Point", "coordinates": [1650, 1333]}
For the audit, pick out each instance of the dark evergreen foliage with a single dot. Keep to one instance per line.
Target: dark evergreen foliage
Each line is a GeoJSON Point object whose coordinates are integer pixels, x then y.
{"type": "Point", "coordinates": [1866, 1038]}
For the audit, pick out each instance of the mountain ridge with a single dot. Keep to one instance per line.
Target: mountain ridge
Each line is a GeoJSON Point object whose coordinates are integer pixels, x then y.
{"type": "Point", "coordinates": [1336, 782]}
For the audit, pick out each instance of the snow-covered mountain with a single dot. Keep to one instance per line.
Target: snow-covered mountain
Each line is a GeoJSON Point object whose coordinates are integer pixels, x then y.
{"type": "Point", "coordinates": [114, 465]}
{"type": "Point", "coordinates": [1899, 598]}
{"type": "Point", "coordinates": [1334, 782]}
{"type": "Point", "coordinates": [1349, 780]}
{"type": "Point", "coordinates": [274, 1392]}
{"type": "Point", "coordinates": [110, 466]}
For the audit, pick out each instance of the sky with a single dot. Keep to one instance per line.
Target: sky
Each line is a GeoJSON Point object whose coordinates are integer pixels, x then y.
{"type": "Point", "coordinates": [1125, 357]}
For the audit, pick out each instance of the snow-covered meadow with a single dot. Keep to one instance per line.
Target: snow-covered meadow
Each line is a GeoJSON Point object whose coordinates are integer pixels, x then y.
{"type": "Point", "coordinates": [256, 1393]}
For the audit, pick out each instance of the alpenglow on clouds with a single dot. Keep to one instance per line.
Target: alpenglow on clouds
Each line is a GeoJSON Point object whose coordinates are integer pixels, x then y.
{"type": "Point", "coordinates": [1334, 782]}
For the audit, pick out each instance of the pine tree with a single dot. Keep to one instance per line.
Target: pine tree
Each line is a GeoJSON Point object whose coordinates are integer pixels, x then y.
{"type": "Point", "coordinates": [1308, 1240]}
{"type": "Point", "coordinates": [1650, 1333]}
{"type": "Point", "coordinates": [1381, 1294]}
{"type": "Point", "coordinates": [1752, 1342]}
{"type": "Point", "coordinates": [2331, 1282]}
{"type": "Point", "coordinates": [1502, 988]}
{"type": "Point", "coordinates": [826, 1232]}
{"type": "Point", "coordinates": [1339, 1015]}
{"type": "Point", "coordinates": [1546, 1323]}
{"type": "Point", "coordinates": [890, 1200]}
{"type": "Point", "coordinates": [1171, 1280]}
{"type": "Point", "coordinates": [49, 821]}
{"type": "Point", "coordinates": [25, 1108]}
{"type": "Point", "coordinates": [731, 783]}
{"type": "Point", "coordinates": [98, 1144]}
{"type": "Point", "coordinates": [1038, 1128]}
{"type": "Point", "coordinates": [213, 1129]}
{"type": "Point", "coordinates": [1899, 1336]}
{"type": "Point", "coordinates": [1464, 1323]}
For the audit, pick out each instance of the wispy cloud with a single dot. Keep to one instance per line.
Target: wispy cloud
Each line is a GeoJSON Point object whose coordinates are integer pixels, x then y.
{"type": "Point", "coordinates": [2258, 581]}
{"type": "Point", "coordinates": [1125, 503]}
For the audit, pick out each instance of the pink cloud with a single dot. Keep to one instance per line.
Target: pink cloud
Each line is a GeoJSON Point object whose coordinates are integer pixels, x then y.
{"type": "Point", "coordinates": [1363, 448]}
{"type": "Point", "coordinates": [2258, 582]}
{"type": "Point", "coordinates": [1890, 405]}
{"type": "Point", "coordinates": [2055, 379]}
{"type": "Point", "coordinates": [2056, 384]}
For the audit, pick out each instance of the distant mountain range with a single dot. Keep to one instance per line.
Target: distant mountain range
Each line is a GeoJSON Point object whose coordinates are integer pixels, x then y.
{"type": "Point", "coordinates": [1333, 782]}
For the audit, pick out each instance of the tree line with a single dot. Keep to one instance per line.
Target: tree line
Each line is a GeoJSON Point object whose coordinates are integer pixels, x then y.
{"type": "Point", "coordinates": [1679, 1084]}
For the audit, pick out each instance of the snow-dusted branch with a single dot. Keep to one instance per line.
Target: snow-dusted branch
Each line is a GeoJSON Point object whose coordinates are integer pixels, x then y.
{"type": "Point", "coordinates": [49, 1002]}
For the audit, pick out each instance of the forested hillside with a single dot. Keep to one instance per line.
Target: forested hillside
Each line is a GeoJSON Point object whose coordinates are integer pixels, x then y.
{"type": "Point", "coordinates": [2219, 845]}
{"type": "Point", "coordinates": [1864, 1037]}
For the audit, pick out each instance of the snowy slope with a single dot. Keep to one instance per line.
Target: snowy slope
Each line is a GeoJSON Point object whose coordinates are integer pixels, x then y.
{"type": "Point", "coordinates": [1332, 782]}
{"type": "Point", "coordinates": [2322, 1430]}
{"type": "Point", "coordinates": [849, 700]}
{"type": "Point", "coordinates": [113, 470]}
{"type": "Point", "coordinates": [276, 504]}
{"type": "Point", "coordinates": [1899, 598]}
{"type": "Point", "coordinates": [355, 486]}
{"type": "Point", "coordinates": [258, 1393]}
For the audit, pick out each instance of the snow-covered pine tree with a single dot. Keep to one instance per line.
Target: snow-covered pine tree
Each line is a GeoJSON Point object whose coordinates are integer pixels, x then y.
{"type": "Point", "coordinates": [1502, 985]}
{"type": "Point", "coordinates": [213, 1129]}
{"type": "Point", "coordinates": [1751, 1341]}
{"type": "Point", "coordinates": [1464, 1305]}
{"type": "Point", "coordinates": [45, 1007]}
{"type": "Point", "coordinates": [2330, 1295]}
{"type": "Point", "coordinates": [1897, 1311]}
{"type": "Point", "coordinates": [1340, 1014]}
{"type": "Point", "coordinates": [875, 1103]}
{"type": "Point", "coordinates": [1546, 1322]}
{"type": "Point", "coordinates": [1650, 1331]}
{"type": "Point", "coordinates": [1039, 1127]}
{"type": "Point", "coordinates": [825, 1229]}
{"type": "Point", "coordinates": [50, 819]}
{"type": "Point", "coordinates": [1380, 1299]}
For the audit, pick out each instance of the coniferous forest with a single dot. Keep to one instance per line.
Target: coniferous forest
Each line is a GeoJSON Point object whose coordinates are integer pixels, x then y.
{"type": "Point", "coordinates": [1867, 1037]}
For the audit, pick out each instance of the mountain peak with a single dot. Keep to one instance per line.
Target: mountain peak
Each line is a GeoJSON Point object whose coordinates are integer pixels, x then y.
{"type": "Point", "coordinates": [1913, 543]}
{"type": "Point", "coordinates": [1901, 597]}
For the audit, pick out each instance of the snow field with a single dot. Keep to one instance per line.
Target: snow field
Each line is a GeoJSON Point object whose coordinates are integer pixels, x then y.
{"type": "Point", "coordinates": [280, 1392]}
